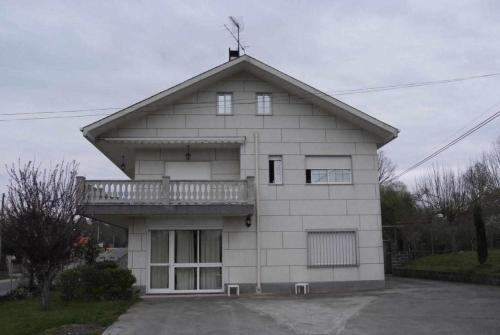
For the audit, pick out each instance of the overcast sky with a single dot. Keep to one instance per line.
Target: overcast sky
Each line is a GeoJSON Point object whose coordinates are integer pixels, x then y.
{"type": "Point", "coordinates": [95, 54]}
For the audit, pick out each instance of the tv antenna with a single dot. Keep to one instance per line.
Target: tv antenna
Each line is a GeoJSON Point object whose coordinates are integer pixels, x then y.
{"type": "Point", "coordinates": [239, 27]}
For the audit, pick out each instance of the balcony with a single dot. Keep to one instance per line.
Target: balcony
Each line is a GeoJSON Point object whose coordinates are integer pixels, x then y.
{"type": "Point", "coordinates": [165, 196]}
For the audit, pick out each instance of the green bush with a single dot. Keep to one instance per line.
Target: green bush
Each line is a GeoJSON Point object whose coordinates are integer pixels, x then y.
{"type": "Point", "coordinates": [101, 281]}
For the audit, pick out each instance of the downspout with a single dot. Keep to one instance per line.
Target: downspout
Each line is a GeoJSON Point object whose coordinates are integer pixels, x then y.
{"type": "Point", "coordinates": [257, 226]}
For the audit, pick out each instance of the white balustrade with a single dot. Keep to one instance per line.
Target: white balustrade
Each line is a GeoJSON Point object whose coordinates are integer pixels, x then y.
{"type": "Point", "coordinates": [166, 191]}
{"type": "Point", "coordinates": [208, 191]}
{"type": "Point", "coordinates": [122, 191]}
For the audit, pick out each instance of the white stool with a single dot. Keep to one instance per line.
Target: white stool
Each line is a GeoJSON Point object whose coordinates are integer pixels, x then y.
{"type": "Point", "coordinates": [305, 288]}
{"type": "Point", "coordinates": [230, 286]}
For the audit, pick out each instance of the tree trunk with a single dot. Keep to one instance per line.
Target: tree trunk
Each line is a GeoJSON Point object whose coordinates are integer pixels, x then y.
{"type": "Point", "coordinates": [453, 238]}
{"type": "Point", "coordinates": [45, 286]}
{"type": "Point", "coordinates": [482, 243]}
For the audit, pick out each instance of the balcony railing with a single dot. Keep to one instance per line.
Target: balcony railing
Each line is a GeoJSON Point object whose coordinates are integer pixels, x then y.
{"type": "Point", "coordinates": [167, 192]}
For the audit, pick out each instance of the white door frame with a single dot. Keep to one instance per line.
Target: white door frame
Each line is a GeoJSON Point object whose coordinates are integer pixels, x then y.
{"type": "Point", "coordinates": [172, 265]}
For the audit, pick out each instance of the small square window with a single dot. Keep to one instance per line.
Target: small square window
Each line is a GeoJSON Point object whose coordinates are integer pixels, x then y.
{"type": "Point", "coordinates": [224, 103]}
{"type": "Point", "coordinates": [264, 104]}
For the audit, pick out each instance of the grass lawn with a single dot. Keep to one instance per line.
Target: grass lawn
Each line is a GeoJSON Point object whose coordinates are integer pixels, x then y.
{"type": "Point", "coordinates": [23, 317]}
{"type": "Point", "coordinates": [459, 262]}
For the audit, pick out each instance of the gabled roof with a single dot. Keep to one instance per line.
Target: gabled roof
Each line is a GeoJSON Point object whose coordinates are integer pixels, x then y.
{"type": "Point", "coordinates": [265, 72]}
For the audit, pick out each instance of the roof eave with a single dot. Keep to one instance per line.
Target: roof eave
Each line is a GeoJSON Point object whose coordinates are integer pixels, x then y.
{"type": "Point", "coordinates": [381, 129]}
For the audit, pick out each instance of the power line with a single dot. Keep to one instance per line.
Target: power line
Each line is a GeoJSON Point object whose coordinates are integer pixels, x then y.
{"type": "Point", "coordinates": [411, 85]}
{"type": "Point", "coordinates": [50, 117]}
{"type": "Point", "coordinates": [450, 144]}
{"type": "Point", "coordinates": [465, 126]}
{"type": "Point", "coordinates": [63, 111]}
{"type": "Point", "coordinates": [252, 101]}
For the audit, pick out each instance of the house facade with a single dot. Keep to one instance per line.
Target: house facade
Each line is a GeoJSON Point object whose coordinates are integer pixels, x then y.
{"type": "Point", "coordinates": [243, 175]}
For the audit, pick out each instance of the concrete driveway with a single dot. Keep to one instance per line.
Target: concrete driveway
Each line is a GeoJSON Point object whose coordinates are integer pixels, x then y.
{"type": "Point", "coordinates": [6, 285]}
{"type": "Point", "coordinates": [407, 306]}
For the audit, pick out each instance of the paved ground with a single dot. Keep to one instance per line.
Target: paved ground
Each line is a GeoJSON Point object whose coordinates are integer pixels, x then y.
{"type": "Point", "coordinates": [407, 306]}
{"type": "Point", "coordinates": [6, 285]}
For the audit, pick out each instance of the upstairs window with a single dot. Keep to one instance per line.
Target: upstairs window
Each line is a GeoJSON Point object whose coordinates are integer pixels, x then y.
{"type": "Point", "coordinates": [264, 104]}
{"type": "Point", "coordinates": [224, 103]}
{"type": "Point", "coordinates": [275, 170]}
{"type": "Point", "coordinates": [328, 170]}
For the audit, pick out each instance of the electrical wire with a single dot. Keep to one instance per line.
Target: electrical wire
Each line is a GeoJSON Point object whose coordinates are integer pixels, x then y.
{"type": "Point", "coordinates": [411, 85]}
{"type": "Point", "coordinates": [50, 117]}
{"type": "Point", "coordinates": [252, 101]}
{"type": "Point", "coordinates": [63, 111]}
{"type": "Point", "coordinates": [450, 144]}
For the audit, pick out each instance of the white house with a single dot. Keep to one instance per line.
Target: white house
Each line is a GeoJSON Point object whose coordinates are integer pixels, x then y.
{"type": "Point", "coordinates": [243, 175]}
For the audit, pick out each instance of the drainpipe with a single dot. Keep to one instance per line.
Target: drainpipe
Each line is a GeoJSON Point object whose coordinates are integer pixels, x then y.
{"type": "Point", "coordinates": [257, 225]}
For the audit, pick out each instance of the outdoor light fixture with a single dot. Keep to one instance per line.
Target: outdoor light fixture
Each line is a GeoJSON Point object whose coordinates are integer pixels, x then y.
{"type": "Point", "coordinates": [122, 165]}
{"type": "Point", "coordinates": [188, 154]}
{"type": "Point", "coordinates": [248, 220]}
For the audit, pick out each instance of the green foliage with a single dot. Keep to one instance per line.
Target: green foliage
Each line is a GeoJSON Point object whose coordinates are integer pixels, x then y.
{"type": "Point", "coordinates": [458, 262]}
{"type": "Point", "coordinates": [19, 293]}
{"type": "Point", "coordinates": [25, 317]}
{"type": "Point", "coordinates": [101, 281]}
{"type": "Point", "coordinates": [397, 203]}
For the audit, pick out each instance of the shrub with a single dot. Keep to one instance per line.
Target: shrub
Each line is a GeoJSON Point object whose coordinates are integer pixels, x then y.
{"type": "Point", "coordinates": [96, 282]}
{"type": "Point", "coordinates": [19, 293]}
{"type": "Point", "coordinates": [106, 265]}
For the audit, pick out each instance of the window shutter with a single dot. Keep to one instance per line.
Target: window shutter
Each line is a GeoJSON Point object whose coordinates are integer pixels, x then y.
{"type": "Point", "coordinates": [275, 169]}
{"type": "Point", "coordinates": [332, 248]}
{"type": "Point", "coordinates": [308, 176]}
{"type": "Point", "coordinates": [271, 171]}
{"type": "Point", "coordinates": [328, 162]}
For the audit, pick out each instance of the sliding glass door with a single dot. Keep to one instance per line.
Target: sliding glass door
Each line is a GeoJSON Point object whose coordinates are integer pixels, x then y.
{"type": "Point", "coordinates": [185, 261]}
{"type": "Point", "coordinates": [159, 260]}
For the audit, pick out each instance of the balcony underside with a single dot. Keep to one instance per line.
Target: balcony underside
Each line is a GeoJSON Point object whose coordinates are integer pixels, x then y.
{"type": "Point", "coordinates": [95, 210]}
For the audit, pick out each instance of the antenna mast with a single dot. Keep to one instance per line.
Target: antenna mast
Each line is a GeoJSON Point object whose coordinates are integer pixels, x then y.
{"type": "Point", "coordinates": [235, 53]}
{"type": "Point", "coordinates": [237, 25]}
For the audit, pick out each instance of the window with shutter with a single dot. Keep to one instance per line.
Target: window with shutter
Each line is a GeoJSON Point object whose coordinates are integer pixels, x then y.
{"type": "Point", "coordinates": [328, 170]}
{"type": "Point", "coordinates": [332, 248]}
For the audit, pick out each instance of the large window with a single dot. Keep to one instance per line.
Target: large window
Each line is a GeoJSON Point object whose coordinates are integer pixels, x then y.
{"type": "Point", "coordinates": [332, 248]}
{"type": "Point", "coordinates": [328, 170]}
{"type": "Point", "coordinates": [185, 260]}
{"type": "Point", "coordinates": [224, 103]}
{"type": "Point", "coordinates": [264, 104]}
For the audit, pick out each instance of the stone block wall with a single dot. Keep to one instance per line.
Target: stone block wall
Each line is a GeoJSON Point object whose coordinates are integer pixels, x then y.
{"type": "Point", "coordinates": [295, 130]}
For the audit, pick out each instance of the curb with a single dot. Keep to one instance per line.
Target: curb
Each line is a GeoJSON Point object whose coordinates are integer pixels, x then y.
{"type": "Point", "coordinates": [461, 277]}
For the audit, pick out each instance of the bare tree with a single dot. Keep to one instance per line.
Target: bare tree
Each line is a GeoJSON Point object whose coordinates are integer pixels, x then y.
{"type": "Point", "coordinates": [40, 220]}
{"type": "Point", "coordinates": [443, 192]}
{"type": "Point", "coordinates": [386, 169]}
{"type": "Point", "coordinates": [492, 161]}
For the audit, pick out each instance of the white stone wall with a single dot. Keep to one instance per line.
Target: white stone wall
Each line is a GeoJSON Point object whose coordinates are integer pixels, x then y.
{"type": "Point", "coordinates": [296, 129]}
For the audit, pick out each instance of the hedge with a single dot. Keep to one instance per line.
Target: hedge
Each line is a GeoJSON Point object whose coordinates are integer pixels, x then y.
{"type": "Point", "coordinates": [101, 281]}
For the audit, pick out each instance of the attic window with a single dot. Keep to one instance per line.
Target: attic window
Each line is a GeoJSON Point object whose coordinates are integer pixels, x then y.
{"type": "Point", "coordinates": [264, 104]}
{"type": "Point", "coordinates": [224, 103]}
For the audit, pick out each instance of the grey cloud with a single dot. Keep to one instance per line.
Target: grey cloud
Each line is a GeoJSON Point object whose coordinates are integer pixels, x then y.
{"type": "Point", "coordinates": [61, 55]}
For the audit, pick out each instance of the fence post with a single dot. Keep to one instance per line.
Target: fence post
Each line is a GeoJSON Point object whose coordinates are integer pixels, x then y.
{"type": "Point", "coordinates": [166, 189]}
